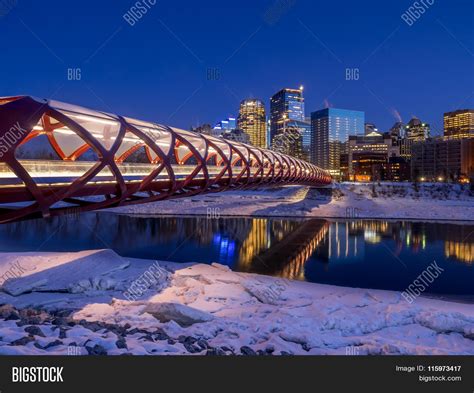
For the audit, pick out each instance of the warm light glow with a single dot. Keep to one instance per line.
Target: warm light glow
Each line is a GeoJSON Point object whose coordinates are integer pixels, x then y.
{"type": "Point", "coordinates": [64, 130]}
{"type": "Point", "coordinates": [94, 119]}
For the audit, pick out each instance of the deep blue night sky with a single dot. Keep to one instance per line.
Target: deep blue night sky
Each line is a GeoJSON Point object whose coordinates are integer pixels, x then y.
{"type": "Point", "coordinates": [157, 69]}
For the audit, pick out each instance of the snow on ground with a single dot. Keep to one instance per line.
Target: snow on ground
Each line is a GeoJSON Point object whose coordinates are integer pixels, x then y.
{"type": "Point", "coordinates": [80, 303]}
{"type": "Point", "coordinates": [427, 201]}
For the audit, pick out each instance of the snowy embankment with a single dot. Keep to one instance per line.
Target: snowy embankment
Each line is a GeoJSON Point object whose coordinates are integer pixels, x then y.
{"type": "Point", "coordinates": [426, 201]}
{"type": "Point", "coordinates": [97, 302]}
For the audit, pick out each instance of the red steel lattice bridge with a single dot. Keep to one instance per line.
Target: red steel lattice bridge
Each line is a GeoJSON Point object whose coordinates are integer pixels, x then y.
{"type": "Point", "coordinates": [57, 158]}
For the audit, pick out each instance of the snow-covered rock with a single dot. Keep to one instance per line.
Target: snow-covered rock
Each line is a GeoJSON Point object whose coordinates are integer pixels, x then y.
{"type": "Point", "coordinates": [84, 272]}
{"type": "Point", "coordinates": [180, 313]}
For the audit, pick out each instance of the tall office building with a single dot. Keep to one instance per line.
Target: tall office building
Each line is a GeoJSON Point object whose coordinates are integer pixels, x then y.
{"type": "Point", "coordinates": [330, 130]}
{"type": "Point", "coordinates": [294, 140]}
{"type": "Point", "coordinates": [286, 105]}
{"type": "Point", "coordinates": [459, 124]}
{"type": "Point", "coordinates": [252, 121]}
{"type": "Point", "coordinates": [304, 128]}
{"type": "Point", "coordinates": [415, 131]}
{"type": "Point", "coordinates": [397, 131]}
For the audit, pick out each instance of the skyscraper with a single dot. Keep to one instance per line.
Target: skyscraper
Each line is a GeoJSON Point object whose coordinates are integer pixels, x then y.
{"type": "Point", "coordinates": [252, 121]}
{"type": "Point", "coordinates": [415, 131]}
{"type": "Point", "coordinates": [294, 140]}
{"type": "Point", "coordinates": [304, 129]}
{"type": "Point", "coordinates": [286, 105]}
{"type": "Point", "coordinates": [397, 131]}
{"type": "Point", "coordinates": [330, 130]}
{"type": "Point", "coordinates": [459, 124]}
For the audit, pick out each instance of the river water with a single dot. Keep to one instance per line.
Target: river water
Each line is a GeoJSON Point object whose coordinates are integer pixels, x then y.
{"type": "Point", "coordinates": [356, 253]}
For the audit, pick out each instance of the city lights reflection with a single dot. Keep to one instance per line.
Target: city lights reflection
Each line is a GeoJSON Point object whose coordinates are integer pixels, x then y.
{"type": "Point", "coordinates": [358, 253]}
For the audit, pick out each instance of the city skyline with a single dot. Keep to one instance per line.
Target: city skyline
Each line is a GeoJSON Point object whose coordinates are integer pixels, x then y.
{"type": "Point", "coordinates": [363, 60]}
{"type": "Point", "coordinates": [306, 116]}
{"type": "Point", "coordinates": [433, 132]}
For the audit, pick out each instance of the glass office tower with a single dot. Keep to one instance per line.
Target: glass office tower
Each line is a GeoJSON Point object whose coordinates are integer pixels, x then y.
{"type": "Point", "coordinates": [286, 105]}
{"type": "Point", "coordinates": [252, 121]}
{"type": "Point", "coordinates": [330, 130]}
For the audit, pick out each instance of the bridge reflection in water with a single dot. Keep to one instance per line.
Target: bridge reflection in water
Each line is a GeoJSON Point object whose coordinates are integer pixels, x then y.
{"type": "Point", "coordinates": [281, 248]}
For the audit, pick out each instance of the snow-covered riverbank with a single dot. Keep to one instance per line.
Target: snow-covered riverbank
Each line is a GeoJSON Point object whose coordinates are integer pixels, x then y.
{"type": "Point", "coordinates": [98, 302]}
{"type": "Point", "coordinates": [427, 201]}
